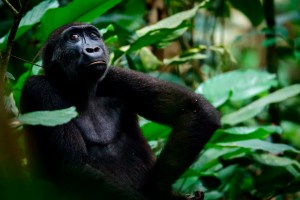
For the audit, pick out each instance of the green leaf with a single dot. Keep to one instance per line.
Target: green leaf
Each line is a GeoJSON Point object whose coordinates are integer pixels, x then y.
{"type": "Point", "coordinates": [34, 16]}
{"type": "Point", "coordinates": [236, 85]}
{"type": "Point", "coordinates": [213, 195]}
{"type": "Point", "coordinates": [275, 161]}
{"type": "Point", "coordinates": [251, 8]}
{"type": "Point", "coordinates": [260, 145]}
{"type": "Point", "coordinates": [110, 27]}
{"type": "Point", "coordinates": [77, 10]}
{"type": "Point", "coordinates": [154, 131]}
{"type": "Point", "coordinates": [164, 31]}
{"type": "Point", "coordinates": [256, 107]}
{"type": "Point", "coordinates": [171, 22]}
{"type": "Point", "coordinates": [245, 130]}
{"type": "Point", "coordinates": [149, 60]}
{"type": "Point", "coordinates": [48, 118]}
{"type": "Point", "coordinates": [10, 76]}
{"type": "Point", "coordinates": [183, 59]}
{"type": "Point", "coordinates": [160, 37]}
{"type": "Point", "coordinates": [209, 159]}
{"type": "Point", "coordinates": [244, 133]}
{"type": "Point", "coordinates": [31, 18]}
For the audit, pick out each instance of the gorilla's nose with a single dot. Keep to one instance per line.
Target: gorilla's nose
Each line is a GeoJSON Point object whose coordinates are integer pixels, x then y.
{"type": "Point", "coordinates": [92, 50]}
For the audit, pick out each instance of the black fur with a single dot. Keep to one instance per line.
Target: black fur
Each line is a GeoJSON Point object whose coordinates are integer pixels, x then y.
{"type": "Point", "coordinates": [102, 153]}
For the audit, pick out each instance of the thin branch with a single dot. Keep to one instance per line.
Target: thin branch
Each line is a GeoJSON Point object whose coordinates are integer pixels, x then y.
{"type": "Point", "coordinates": [11, 7]}
{"type": "Point", "coordinates": [6, 54]}
{"type": "Point", "coordinates": [26, 61]}
{"type": "Point", "coordinates": [9, 151]}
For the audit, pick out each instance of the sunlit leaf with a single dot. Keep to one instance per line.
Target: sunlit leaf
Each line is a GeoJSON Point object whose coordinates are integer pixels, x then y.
{"type": "Point", "coordinates": [169, 23]}
{"type": "Point", "coordinates": [244, 133]}
{"type": "Point", "coordinates": [260, 145]}
{"type": "Point", "coordinates": [48, 118]}
{"type": "Point", "coordinates": [164, 31]}
{"type": "Point", "coordinates": [236, 85]}
{"type": "Point", "coordinates": [31, 18]}
{"type": "Point", "coordinates": [10, 76]}
{"type": "Point", "coordinates": [245, 130]}
{"type": "Point", "coordinates": [276, 161]}
{"type": "Point", "coordinates": [110, 27]}
{"type": "Point", "coordinates": [257, 106]}
{"type": "Point", "coordinates": [160, 37]}
{"type": "Point", "coordinates": [209, 160]}
{"type": "Point", "coordinates": [183, 59]}
{"type": "Point", "coordinates": [76, 11]}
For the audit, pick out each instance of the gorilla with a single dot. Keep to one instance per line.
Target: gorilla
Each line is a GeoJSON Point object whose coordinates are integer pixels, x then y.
{"type": "Point", "coordinates": [102, 154]}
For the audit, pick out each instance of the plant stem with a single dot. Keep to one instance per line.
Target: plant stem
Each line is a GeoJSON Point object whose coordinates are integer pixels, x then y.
{"type": "Point", "coordinates": [10, 166]}
{"type": "Point", "coordinates": [5, 56]}
{"type": "Point", "coordinates": [271, 58]}
{"type": "Point", "coordinates": [14, 11]}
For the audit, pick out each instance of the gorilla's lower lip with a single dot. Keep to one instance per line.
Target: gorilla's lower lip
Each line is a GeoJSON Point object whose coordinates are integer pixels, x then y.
{"type": "Point", "coordinates": [96, 63]}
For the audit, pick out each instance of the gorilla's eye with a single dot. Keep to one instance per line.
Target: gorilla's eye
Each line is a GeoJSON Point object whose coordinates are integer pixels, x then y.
{"type": "Point", "coordinates": [93, 35]}
{"type": "Point", "coordinates": [74, 37]}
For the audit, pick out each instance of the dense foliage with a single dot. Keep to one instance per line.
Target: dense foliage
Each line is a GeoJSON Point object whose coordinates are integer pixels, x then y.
{"type": "Point", "coordinates": [233, 52]}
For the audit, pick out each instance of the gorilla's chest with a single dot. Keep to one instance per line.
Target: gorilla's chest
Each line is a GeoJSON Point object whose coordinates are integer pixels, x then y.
{"type": "Point", "coordinates": [99, 121]}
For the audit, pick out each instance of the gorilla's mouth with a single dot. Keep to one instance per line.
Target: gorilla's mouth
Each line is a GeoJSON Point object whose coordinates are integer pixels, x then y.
{"type": "Point", "coordinates": [98, 62]}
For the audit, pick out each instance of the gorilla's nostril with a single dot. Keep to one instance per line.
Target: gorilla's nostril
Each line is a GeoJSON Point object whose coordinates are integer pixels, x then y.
{"type": "Point", "coordinates": [96, 49]}
{"type": "Point", "coordinates": [89, 50]}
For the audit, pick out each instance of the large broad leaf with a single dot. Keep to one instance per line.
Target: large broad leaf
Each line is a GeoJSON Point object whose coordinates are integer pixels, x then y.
{"type": "Point", "coordinates": [130, 19]}
{"type": "Point", "coordinates": [170, 22]}
{"type": "Point", "coordinates": [165, 30]}
{"type": "Point", "coordinates": [31, 18]}
{"type": "Point", "coordinates": [256, 107]}
{"type": "Point", "coordinates": [77, 10]}
{"type": "Point", "coordinates": [275, 161]}
{"type": "Point", "coordinates": [260, 145]}
{"type": "Point", "coordinates": [244, 133]}
{"type": "Point", "coordinates": [48, 118]}
{"type": "Point", "coordinates": [236, 85]}
{"type": "Point", "coordinates": [251, 8]}
{"type": "Point", "coordinates": [209, 159]}
{"type": "Point", "coordinates": [160, 37]}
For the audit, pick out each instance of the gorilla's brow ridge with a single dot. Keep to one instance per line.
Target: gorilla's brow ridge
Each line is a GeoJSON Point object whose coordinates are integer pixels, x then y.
{"type": "Point", "coordinates": [81, 28]}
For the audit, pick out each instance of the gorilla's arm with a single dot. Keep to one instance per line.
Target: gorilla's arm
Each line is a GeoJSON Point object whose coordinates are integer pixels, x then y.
{"type": "Point", "coordinates": [192, 118]}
